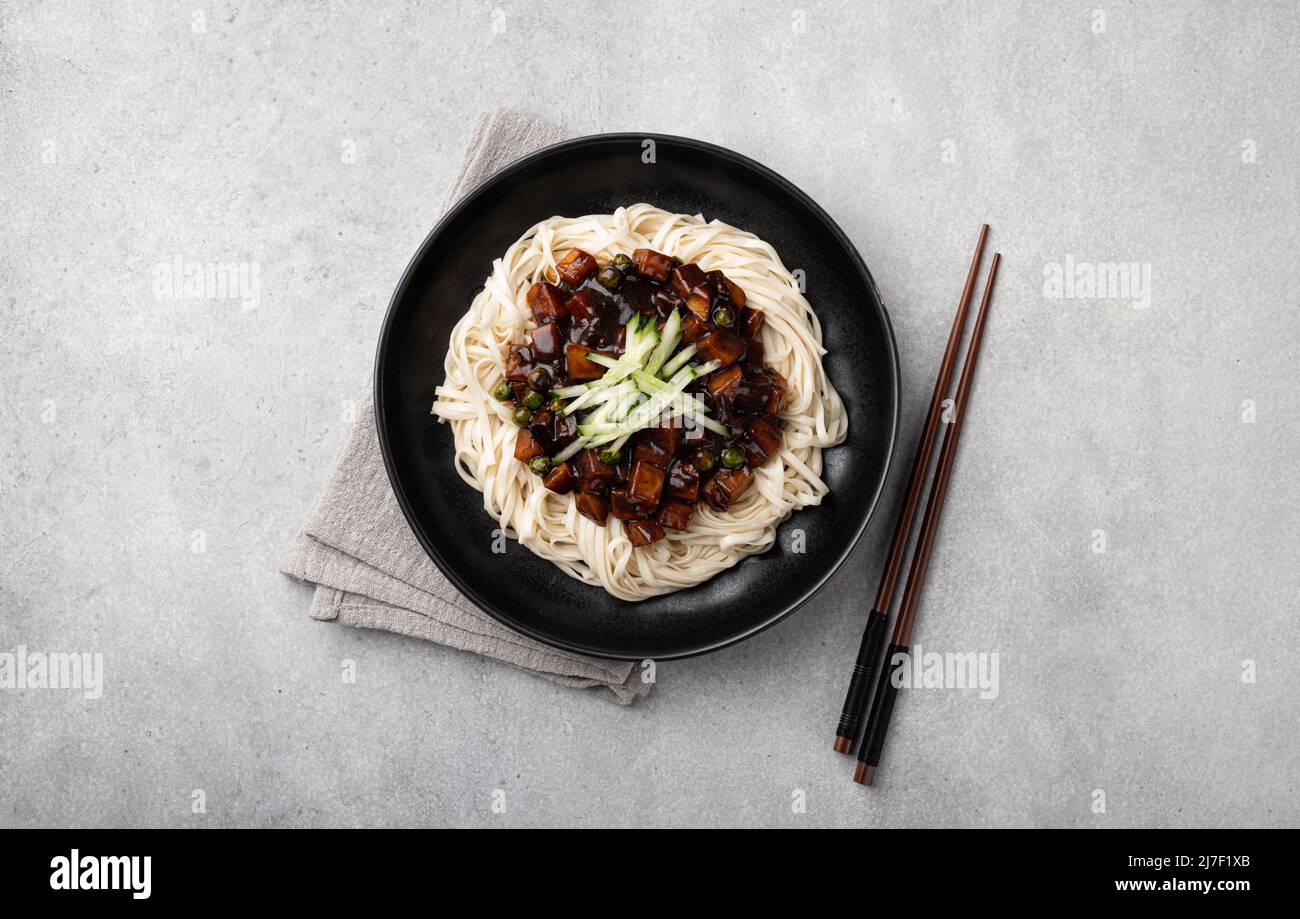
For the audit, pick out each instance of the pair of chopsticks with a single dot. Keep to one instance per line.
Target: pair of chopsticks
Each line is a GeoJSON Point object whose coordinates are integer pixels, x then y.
{"type": "Point", "coordinates": [873, 636]}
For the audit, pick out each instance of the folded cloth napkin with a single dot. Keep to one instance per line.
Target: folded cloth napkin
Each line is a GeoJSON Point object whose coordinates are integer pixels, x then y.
{"type": "Point", "coordinates": [357, 548]}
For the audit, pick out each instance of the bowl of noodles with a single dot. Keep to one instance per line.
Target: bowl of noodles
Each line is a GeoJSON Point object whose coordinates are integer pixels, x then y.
{"type": "Point", "coordinates": [638, 407]}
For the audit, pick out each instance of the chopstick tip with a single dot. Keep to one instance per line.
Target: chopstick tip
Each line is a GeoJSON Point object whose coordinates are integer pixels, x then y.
{"type": "Point", "coordinates": [843, 744]}
{"type": "Point", "coordinates": [864, 774]}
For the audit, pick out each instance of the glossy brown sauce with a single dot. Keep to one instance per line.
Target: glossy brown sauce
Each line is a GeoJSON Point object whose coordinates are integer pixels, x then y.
{"type": "Point", "coordinates": [661, 473]}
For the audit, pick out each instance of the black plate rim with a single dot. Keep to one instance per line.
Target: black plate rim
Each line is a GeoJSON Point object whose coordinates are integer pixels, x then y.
{"type": "Point", "coordinates": [468, 201]}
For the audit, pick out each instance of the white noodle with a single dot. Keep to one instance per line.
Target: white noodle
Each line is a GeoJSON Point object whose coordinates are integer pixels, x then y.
{"type": "Point", "coordinates": [812, 416]}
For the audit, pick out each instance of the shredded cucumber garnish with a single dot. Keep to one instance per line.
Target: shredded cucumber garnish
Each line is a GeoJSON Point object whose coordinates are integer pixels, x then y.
{"type": "Point", "coordinates": [595, 396]}
{"type": "Point", "coordinates": [670, 336]}
{"type": "Point", "coordinates": [680, 358]}
{"type": "Point", "coordinates": [645, 383]}
{"type": "Point", "coordinates": [647, 413]}
{"type": "Point", "coordinates": [570, 451]}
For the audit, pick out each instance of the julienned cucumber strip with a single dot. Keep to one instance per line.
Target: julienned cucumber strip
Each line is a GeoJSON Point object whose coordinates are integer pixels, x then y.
{"type": "Point", "coordinates": [635, 326]}
{"type": "Point", "coordinates": [569, 451]}
{"type": "Point", "coordinates": [686, 406]}
{"type": "Point", "coordinates": [680, 358]}
{"type": "Point", "coordinates": [624, 406]}
{"type": "Point", "coordinates": [648, 384]}
{"type": "Point", "coordinates": [598, 428]}
{"type": "Point", "coordinates": [602, 439]}
{"type": "Point", "coordinates": [669, 337]}
{"type": "Point", "coordinates": [588, 398]}
{"type": "Point", "coordinates": [614, 408]}
{"type": "Point", "coordinates": [682, 404]}
{"type": "Point", "coordinates": [618, 444]}
{"type": "Point", "coordinates": [637, 347]}
{"type": "Point", "coordinates": [693, 408]}
{"type": "Point", "coordinates": [703, 370]}
{"type": "Point", "coordinates": [599, 396]}
{"type": "Point", "coordinates": [612, 412]}
{"type": "Point", "coordinates": [616, 402]}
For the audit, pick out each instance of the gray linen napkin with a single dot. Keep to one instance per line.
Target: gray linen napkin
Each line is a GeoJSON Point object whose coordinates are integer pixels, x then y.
{"type": "Point", "coordinates": [357, 548]}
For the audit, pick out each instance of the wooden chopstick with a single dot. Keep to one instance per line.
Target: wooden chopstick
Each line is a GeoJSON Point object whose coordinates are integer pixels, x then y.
{"type": "Point", "coordinates": [882, 706]}
{"type": "Point", "coordinates": [873, 635]}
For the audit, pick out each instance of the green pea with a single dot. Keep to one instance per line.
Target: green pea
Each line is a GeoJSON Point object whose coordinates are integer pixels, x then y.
{"type": "Point", "coordinates": [501, 391]}
{"type": "Point", "coordinates": [723, 316]}
{"type": "Point", "coordinates": [523, 416]}
{"type": "Point", "coordinates": [705, 460]}
{"type": "Point", "coordinates": [556, 404]}
{"type": "Point", "coordinates": [533, 400]}
{"type": "Point", "coordinates": [733, 458]}
{"type": "Point", "coordinates": [609, 278]}
{"type": "Point", "coordinates": [540, 379]}
{"type": "Point", "coordinates": [540, 464]}
{"type": "Point", "coordinates": [622, 261]}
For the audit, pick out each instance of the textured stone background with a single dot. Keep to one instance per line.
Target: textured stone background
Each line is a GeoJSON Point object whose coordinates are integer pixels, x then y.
{"type": "Point", "coordinates": [136, 133]}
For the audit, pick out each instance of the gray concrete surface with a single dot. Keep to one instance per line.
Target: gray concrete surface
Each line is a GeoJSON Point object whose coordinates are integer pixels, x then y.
{"type": "Point", "coordinates": [157, 455]}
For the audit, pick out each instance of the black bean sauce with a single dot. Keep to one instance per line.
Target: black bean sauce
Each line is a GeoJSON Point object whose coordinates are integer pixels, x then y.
{"type": "Point", "coordinates": [661, 473]}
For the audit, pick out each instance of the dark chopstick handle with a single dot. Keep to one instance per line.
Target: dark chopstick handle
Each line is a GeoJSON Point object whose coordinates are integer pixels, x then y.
{"type": "Point", "coordinates": [882, 709]}
{"type": "Point", "coordinates": [864, 672]}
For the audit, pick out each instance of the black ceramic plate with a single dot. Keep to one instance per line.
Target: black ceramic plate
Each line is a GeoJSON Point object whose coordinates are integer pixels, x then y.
{"type": "Point", "coordinates": [595, 175]}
